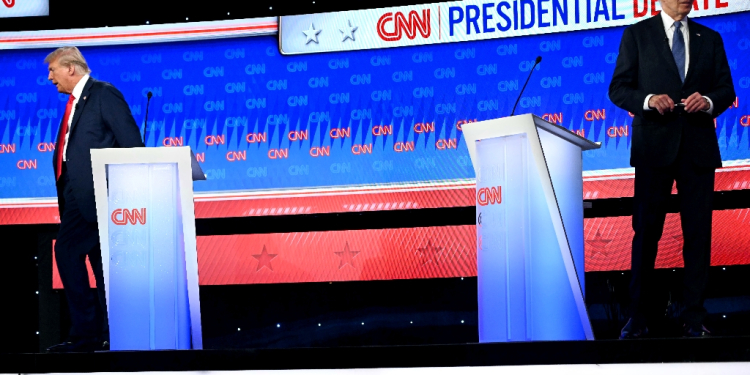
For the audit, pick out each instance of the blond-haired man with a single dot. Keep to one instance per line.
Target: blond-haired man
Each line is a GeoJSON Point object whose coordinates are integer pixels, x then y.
{"type": "Point", "coordinates": [96, 116]}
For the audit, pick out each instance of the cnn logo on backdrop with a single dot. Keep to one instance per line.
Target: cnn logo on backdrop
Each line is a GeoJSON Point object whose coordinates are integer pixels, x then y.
{"type": "Point", "coordinates": [9, 3]}
{"type": "Point", "coordinates": [398, 24]}
{"type": "Point", "coordinates": [489, 195]}
{"type": "Point", "coordinates": [123, 216]}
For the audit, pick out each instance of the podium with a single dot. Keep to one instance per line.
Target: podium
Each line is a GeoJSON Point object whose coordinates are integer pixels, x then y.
{"type": "Point", "coordinates": [145, 212]}
{"type": "Point", "coordinates": [530, 260]}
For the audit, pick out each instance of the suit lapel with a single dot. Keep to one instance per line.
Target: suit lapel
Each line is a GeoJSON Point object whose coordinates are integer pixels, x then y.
{"type": "Point", "coordinates": [662, 45]}
{"type": "Point", "coordinates": [695, 48]}
{"type": "Point", "coordinates": [81, 104]}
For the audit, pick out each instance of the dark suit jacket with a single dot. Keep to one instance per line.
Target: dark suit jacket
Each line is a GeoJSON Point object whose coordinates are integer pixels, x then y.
{"type": "Point", "coordinates": [645, 66]}
{"type": "Point", "coordinates": [102, 119]}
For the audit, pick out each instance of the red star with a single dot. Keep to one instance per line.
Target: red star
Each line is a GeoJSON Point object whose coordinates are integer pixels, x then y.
{"type": "Point", "coordinates": [429, 253]}
{"type": "Point", "coordinates": [598, 242]}
{"type": "Point", "coordinates": [347, 256]}
{"type": "Point", "coordinates": [264, 259]}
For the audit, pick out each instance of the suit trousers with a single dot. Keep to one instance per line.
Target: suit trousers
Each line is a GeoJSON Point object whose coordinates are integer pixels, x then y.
{"type": "Point", "coordinates": [76, 240]}
{"type": "Point", "coordinates": [653, 187]}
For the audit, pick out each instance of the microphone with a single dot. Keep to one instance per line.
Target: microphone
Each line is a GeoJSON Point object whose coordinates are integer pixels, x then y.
{"type": "Point", "coordinates": [536, 62]}
{"type": "Point", "coordinates": [145, 122]}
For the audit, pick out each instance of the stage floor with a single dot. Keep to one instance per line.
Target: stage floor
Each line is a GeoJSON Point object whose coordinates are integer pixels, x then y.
{"type": "Point", "coordinates": [722, 354]}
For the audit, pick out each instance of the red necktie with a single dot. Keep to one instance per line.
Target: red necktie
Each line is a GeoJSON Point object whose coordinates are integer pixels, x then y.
{"type": "Point", "coordinates": [61, 137]}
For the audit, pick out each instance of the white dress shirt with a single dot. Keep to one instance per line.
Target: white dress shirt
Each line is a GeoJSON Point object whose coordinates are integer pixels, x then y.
{"type": "Point", "coordinates": [669, 30]}
{"type": "Point", "coordinates": [77, 96]}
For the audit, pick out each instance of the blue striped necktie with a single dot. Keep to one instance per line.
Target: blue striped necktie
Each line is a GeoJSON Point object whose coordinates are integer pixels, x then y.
{"type": "Point", "coordinates": [678, 49]}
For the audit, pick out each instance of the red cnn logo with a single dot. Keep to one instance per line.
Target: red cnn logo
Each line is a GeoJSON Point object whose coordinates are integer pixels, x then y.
{"type": "Point", "coordinates": [402, 24]}
{"type": "Point", "coordinates": [122, 216]}
{"type": "Point", "coordinates": [490, 195]}
{"type": "Point", "coordinates": [9, 3]}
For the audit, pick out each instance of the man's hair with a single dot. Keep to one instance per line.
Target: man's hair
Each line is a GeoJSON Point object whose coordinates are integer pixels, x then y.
{"type": "Point", "coordinates": [67, 56]}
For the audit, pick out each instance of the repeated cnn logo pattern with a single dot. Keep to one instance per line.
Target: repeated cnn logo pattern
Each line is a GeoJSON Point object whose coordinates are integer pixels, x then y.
{"type": "Point", "coordinates": [260, 121]}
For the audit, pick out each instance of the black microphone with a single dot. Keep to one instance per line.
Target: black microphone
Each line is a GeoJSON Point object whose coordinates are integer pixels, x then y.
{"type": "Point", "coordinates": [536, 62]}
{"type": "Point", "coordinates": [145, 122]}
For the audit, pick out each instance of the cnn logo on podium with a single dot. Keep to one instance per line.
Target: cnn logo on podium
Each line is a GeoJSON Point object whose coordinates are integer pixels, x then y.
{"type": "Point", "coordinates": [123, 216]}
{"type": "Point", "coordinates": [489, 195]}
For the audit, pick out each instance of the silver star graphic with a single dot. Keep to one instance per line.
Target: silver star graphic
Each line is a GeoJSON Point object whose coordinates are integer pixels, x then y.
{"type": "Point", "coordinates": [348, 32]}
{"type": "Point", "coordinates": [312, 34]}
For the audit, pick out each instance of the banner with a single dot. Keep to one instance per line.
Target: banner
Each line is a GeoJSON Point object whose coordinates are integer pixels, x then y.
{"type": "Point", "coordinates": [469, 20]}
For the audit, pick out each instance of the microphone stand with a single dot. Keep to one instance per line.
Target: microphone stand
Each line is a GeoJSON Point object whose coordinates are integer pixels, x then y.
{"type": "Point", "coordinates": [145, 122]}
{"type": "Point", "coordinates": [538, 60]}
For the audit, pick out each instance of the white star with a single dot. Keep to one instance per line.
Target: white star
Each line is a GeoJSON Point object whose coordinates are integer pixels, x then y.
{"type": "Point", "coordinates": [312, 34]}
{"type": "Point", "coordinates": [349, 33]}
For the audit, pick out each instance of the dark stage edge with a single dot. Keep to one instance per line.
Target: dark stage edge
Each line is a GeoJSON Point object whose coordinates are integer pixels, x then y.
{"type": "Point", "coordinates": [722, 349]}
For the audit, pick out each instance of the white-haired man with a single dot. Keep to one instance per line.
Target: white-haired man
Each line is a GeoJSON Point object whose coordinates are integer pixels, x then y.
{"type": "Point", "coordinates": [672, 74]}
{"type": "Point", "coordinates": [96, 116]}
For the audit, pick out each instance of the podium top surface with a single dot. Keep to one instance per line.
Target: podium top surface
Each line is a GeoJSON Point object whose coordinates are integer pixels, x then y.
{"type": "Point", "coordinates": [566, 134]}
{"type": "Point", "coordinates": [519, 124]}
{"type": "Point", "coordinates": [139, 155]}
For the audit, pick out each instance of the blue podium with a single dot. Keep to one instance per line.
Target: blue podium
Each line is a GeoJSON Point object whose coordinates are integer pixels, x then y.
{"type": "Point", "coordinates": [530, 260]}
{"type": "Point", "coordinates": [145, 212]}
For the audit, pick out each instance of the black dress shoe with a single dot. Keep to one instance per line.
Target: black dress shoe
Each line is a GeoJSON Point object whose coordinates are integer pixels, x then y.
{"type": "Point", "coordinates": [78, 346]}
{"type": "Point", "coordinates": [633, 331]}
{"type": "Point", "coordinates": [695, 330]}
{"type": "Point", "coordinates": [62, 347]}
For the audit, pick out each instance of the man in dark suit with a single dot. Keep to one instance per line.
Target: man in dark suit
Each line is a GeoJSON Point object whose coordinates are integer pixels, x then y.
{"type": "Point", "coordinates": [96, 116]}
{"type": "Point", "coordinates": [672, 74]}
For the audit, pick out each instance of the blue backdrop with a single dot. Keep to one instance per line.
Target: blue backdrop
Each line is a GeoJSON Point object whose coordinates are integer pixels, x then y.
{"type": "Point", "coordinates": [260, 120]}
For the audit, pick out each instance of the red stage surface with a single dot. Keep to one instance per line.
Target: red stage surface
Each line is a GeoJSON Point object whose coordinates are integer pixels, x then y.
{"type": "Point", "coordinates": [430, 252]}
